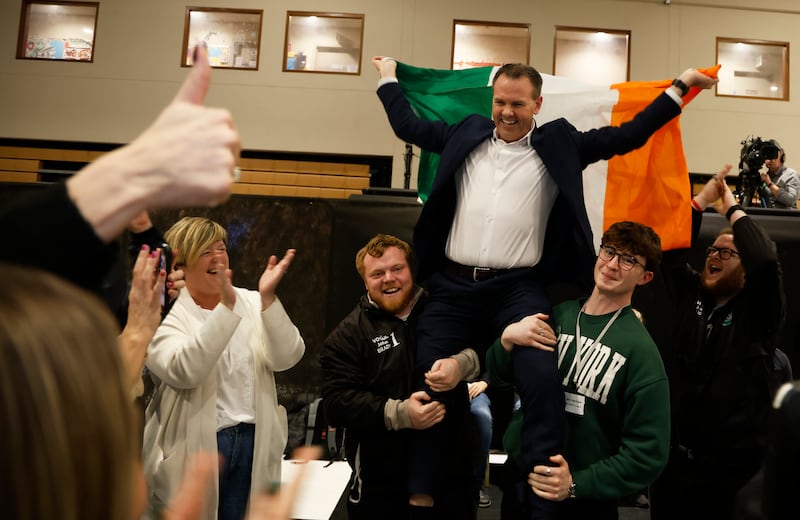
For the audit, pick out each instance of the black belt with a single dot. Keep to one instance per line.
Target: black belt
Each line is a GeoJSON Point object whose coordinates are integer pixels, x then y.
{"type": "Point", "coordinates": [477, 274]}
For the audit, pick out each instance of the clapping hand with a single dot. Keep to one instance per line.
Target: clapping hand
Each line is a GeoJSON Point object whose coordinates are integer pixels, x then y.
{"type": "Point", "coordinates": [272, 275]}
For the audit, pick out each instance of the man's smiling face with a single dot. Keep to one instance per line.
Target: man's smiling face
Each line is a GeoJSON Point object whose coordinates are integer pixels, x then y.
{"type": "Point", "coordinates": [514, 104]}
{"type": "Point", "coordinates": [389, 281]}
{"type": "Point", "coordinates": [723, 278]}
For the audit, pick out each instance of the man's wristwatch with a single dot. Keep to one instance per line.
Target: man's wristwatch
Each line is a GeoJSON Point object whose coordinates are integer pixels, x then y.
{"type": "Point", "coordinates": [683, 87]}
{"type": "Point", "coordinates": [571, 489]}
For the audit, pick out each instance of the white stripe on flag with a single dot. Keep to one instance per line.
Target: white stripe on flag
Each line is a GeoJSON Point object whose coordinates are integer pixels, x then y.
{"type": "Point", "coordinates": [492, 74]}
{"type": "Point", "coordinates": [586, 107]}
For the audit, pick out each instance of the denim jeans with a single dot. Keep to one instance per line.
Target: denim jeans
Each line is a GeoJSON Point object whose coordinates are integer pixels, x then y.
{"type": "Point", "coordinates": [235, 445]}
{"type": "Point", "coordinates": [481, 408]}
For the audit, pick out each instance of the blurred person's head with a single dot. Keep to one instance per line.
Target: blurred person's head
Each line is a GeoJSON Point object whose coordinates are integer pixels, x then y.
{"type": "Point", "coordinates": [723, 275]}
{"type": "Point", "coordinates": [385, 266]}
{"type": "Point", "coordinates": [202, 250]}
{"type": "Point", "coordinates": [516, 98]}
{"type": "Point", "coordinates": [69, 444]}
{"type": "Point", "coordinates": [629, 252]}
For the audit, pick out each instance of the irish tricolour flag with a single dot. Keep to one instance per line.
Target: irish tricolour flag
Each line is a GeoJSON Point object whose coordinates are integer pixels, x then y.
{"type": "Point", "coordinates": [649, 185]}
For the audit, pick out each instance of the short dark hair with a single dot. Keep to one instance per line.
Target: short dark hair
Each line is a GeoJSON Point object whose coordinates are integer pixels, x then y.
{"type": "Point", "coordinates": [636, 238]}
{"type": "Point", "coordinates": [376, 247]}
{"type": "Point", "coordinates": [519, 70]}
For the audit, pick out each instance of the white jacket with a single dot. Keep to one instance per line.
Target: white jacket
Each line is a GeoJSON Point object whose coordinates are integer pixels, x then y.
{"type": "Point", "coordinates": [182, 420]}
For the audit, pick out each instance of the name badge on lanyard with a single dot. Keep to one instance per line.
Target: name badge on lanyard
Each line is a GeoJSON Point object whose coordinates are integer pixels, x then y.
{"type": "Point", "coordinates": [575, 403]}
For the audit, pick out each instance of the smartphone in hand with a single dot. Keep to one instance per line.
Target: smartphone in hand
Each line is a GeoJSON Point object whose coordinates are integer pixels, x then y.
{"type": "Point", "coordinates": [165, 263]}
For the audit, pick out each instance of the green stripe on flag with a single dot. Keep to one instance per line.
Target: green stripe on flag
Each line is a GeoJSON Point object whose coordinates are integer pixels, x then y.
{"type": "Point", "coordinates": [444, 95]}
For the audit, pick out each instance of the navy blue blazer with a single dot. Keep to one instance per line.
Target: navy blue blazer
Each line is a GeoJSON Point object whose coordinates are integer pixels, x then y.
{"type": "Point", "coordinates": [569, 249]}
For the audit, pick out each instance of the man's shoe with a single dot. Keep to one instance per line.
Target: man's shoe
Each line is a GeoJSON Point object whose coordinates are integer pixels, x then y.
{"type": "Point", "coordinates": [484, 500]}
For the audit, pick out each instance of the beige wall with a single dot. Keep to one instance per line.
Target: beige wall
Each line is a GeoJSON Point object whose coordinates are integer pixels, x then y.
{"type": "Point", "coordinates": [137, 55]}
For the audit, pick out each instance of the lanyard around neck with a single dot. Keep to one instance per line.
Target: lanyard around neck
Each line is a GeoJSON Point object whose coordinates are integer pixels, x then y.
{"type": "Point", "coordinates": [578, 361]}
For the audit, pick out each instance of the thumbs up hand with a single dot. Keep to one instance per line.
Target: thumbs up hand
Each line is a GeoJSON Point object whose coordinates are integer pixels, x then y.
{"type": "Point", "coordinates": [185, 158]}
{"type": "Point", "coordinates": [195, 86]}
{"type": "Point", "coordinates": [192, 149]}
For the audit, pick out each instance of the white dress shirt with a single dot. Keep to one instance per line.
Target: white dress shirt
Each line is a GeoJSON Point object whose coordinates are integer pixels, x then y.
{"type": "Point", "coordinates": [504, 197]}
{"type": "Point", "coordinates": [236, 381]}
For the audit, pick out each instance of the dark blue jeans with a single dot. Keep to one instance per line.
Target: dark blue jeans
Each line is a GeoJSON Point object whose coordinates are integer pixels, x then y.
{"type": "Point", "coordinates": [235, 445]}
{"type": "Point", "coordinates": [481, 408]}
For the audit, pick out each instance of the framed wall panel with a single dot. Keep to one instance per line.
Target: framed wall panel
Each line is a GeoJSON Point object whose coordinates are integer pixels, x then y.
{"type": "Point", "coordinates": [323, 42]}
{"type": "Point", "coordinates": [57, 31]}
{"type": "Point", "coordinates": [480, 44]}
{"type": "Point", "coordinates": [596, 56]}
{"type": "Point", "coordinates": [233, 36]}
{"type": "Point", "coordinates": [753, 69]}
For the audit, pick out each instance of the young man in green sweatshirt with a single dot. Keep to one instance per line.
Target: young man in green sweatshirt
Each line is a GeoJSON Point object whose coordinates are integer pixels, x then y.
{"type": "Point", "coordinates": [617, 396]}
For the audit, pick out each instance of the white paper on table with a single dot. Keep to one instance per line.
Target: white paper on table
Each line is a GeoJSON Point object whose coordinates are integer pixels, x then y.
{"type": "Point", "coordinates": [498, 458]}
{"type": "Point", "coordinates": [322, 486]}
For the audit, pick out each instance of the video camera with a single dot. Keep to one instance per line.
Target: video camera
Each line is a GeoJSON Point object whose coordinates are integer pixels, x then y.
{"type": "Point", "coordinates": [751, 158]}
{"type": "Point", "coordinates": [754, 152]}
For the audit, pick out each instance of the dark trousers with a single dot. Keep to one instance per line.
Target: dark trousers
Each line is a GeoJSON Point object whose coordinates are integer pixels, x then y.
{"type": "Point", "coordinates": [460, 314]}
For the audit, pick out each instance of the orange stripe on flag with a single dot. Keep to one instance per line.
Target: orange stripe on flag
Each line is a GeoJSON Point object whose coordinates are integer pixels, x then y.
{"type": "Point", "coordinates": [651, 185]}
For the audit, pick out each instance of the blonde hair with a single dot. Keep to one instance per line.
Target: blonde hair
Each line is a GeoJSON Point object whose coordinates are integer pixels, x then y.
{"type": "Point", "coordinates": [191, 236]}
{"type": "Point", "coordinates": [69, 439]}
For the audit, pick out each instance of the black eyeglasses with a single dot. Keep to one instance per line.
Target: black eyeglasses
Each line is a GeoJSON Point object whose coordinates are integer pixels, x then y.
{"type": "Point", "coordinates": [725, 253]}
{"type": "Point", "coordinates": [626, 261]}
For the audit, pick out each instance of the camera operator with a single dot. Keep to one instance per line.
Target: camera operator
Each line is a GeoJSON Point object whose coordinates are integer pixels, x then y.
{"type": "Point", "coordinates": [781, 183]}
